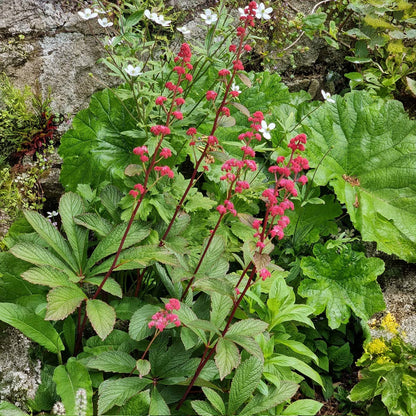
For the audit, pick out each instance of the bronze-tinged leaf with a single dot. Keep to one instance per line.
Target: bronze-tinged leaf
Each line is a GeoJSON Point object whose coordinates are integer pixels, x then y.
{"type": "Point", "coordinates": [261, 261]}
{"type": "Point", "coordinates": [133, 170]}
{"type": "Point", "coordinates": [242, 109]}
{"type": "Point", "coordinates": [245, 80]}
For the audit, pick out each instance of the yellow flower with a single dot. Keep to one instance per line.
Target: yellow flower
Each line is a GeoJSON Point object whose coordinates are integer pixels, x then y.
{"type": "Point", "coordinates": [383, 359]}
{"type": "Point", "coordinates": [377, 346]}
{"type": "Point", "coordinates": [389, 324]}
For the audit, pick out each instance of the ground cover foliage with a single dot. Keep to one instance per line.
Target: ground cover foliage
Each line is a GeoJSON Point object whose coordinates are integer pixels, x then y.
{"type": "Point", "coordinates": [204, 259]}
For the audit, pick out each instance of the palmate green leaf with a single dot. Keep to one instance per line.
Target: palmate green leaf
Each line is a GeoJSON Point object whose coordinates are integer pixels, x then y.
{"type": "Point", "coordinates": [245, 380]}
{"type": "Point", "coordinates": [342, 282]}
{"type": "Point", "coordinates": [52, 236]}
{"type": "Point", "coordinates": [117, 392]}
{"type": "Point", "coordinates": [62, 301]}
{"type": "Point", "coordinates": [94, 150]}
{"type": "Point", "coordinates": [113, 362]}
{"type": "Point", "coordinates": [71, 205]}
{"type": "Point", "coordinates": [31, 325]}
{"type": "Point", "coordinates": [203, 408]}
{"type": "Point", "coordinates": [102, 317]}
{"type": "Point", "coordinates": [370, 161]}
{"type": "Point", "coordinates": [110, 197]}
{"type": "Point", "coordinates": [69, 379]}
{"type": "Point", "coordinates": [227, 356]}
{"type": "Point", "coordinates": [260, 403]}
{"type": "Point", "coordinates": [110, 244]}
{"type": "Point", "coordinates": [220, 286]}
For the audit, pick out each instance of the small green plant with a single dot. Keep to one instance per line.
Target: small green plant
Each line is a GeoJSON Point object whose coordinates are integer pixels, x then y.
{"type": "Point", "coordinates": [388, 376]}
{"type": "Point", "coordinates": [26, 121]}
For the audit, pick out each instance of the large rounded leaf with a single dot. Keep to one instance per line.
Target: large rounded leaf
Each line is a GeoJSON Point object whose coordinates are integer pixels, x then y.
{"type": "Point", "coordinates": [366, 150]}
{"type": "Point", "coordinates": [100, 145]}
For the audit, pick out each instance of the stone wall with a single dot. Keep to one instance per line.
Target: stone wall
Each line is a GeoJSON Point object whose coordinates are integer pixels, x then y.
{"type": "Point", "coordinates": [46, 42]}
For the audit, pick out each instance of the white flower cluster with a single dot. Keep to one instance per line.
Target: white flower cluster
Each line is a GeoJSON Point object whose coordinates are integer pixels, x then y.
{"type": "Point", "coordinates": [262, 12]}
{"type": "Point", "coordinates": [58, 409]}
{"type": "Point", "coordinates": [20, 377]}
{"type": "Point", "coordinates": [81, 402]}
{"type": "Point", "coordinates": [157, 18]}
{"type": "Point", "coordinates": [88, 14]}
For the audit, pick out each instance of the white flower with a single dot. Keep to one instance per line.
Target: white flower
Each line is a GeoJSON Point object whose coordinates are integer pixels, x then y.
{"type": "Point", "coordinates": [161, 21]}
{"type": "Point", "coordinates": [52, 214]}
{"type": "Point", "coordinates": [110, 41]}
{"type": "Point", "coordinates": [87, 14]}
{"type": "Point", "coordinates": [133, 71]}
{"type": "Point", "coordinates": [262, 12]}
{"type": "Point", "coordinates": [266, 129]}
{"type": "Point", "coordinates": [58, 409]}
{"type": "Point", "coordinates": [327, 96]}
{"type": "Point", "coordinates": [235, 88]}
{"type": "Point", "coordinates": [242, 12]}
{"type": "Point", "coordinates": [184, 30]}
{"type": "Point", "coordinates": [209, 17]}
{"type": "Point", "coordinates": [150, 16]}
{"type": "Point", "coordinates": [104, 22]}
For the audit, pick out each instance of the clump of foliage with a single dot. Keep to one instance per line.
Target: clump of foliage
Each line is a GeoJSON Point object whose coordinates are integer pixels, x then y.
{"type": "Point", "coordinates": [26, 122]}
{"type": "Point", "coordinates": [388, 376]}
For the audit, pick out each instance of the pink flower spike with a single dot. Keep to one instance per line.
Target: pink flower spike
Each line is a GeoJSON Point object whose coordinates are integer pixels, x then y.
{"type": "Point", "coordinates": [160, 100]}
{"type": "Point", "coordinates": [144, 158]}
{"type": "Point", "coordinates": [303, 180]}
{"type": "Point", "coordinates": [223, 72]}
{"type": "Point", "coordinates": [256, 224]}
{"type": "Point", "coordinates": [191, 131]}
{"type": "Point", "coordinates": [175, 303]}
{"type": "Point", "coordinates": [264, 274]}
{"type": "Point", "coordinates": [211, 95]}
{"type": "Point", "coordinates": [178, 115]}
{"type": "Point", "coordinates": [165, 153]}
{"type": "Point", "coordinates": [221, 209]}
{"type": "Point", "coordinates": [212, 140]}
{"type": "Point", "coordinates": [140, 150]}
{"type": "Point", "coordinates": [134, 194]}
{"type": "Point", "coordinates": [139, 187]}
{"type": "Point", "coordinates": [179, 101]}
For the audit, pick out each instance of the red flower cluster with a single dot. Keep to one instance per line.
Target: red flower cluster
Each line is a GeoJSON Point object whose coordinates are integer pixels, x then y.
{"type": "Point", "coordinates": [165, 171]}
{"type": "Point", "coordinates": [249, 13]}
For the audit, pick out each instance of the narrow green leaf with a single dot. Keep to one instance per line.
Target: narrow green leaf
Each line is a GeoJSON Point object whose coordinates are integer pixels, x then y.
{"type": "Point", "coordinates": [47, 276]}
{"type": "Point", "coordinates": [137, 405]}
{"type": "Point", "coordinates": [299, 348]}
{"type": "Point", "coordinates": [69, 379]}
{"type": "Point", "coordinates": [40, 256]}
{"type": "Point", "coordinates": [227, 356]}
{"type": "Point", "coordinates": [116, 392]}
{"type": "Point", "coordinates": [220, 286]}
{"type": "Point", "coordinates": [158, 405]}
{"type": "Point", "coordinates": [245, 381]}
{"type": "Point", "coordinates": [110, 244]}
{"type": "Point", "coordinates": [248, 327]}
{"type": "Point", "coordinates": [204, 325]}
{"type": "Point", "coordinates": [298, 365]}
{"type": "Point", "coordinates": [52, 236]}
{"type": "Point", "coordinates": [187, 316]}
{"type": "Point", "coordinates": [248, 343]}
{"type": "Point", "coordinates": [62, 301]}
{"type": "Point", "coordinates": [95, 223]}
{"type": "Point", "coordinates": [280, 394]}
{"type": "Point", "coordinates": [305, 407]}
{"type": "Point", "coordinates": [110, 285]}
{"type": "Point", "coordinates": [102, 317]}
{"type": "Point", "coordinates": [203, 408]}
{"type": "Point", "coordinates": [220, 308]}
{"type": "Point", "coordinates": [71, 205]}
{"type": "Point", "coordinates": [31, 325]}
{"type": "Point", "coordinates": [113, 362]}
{"type": "Point", "coordinates": [215, 399]}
